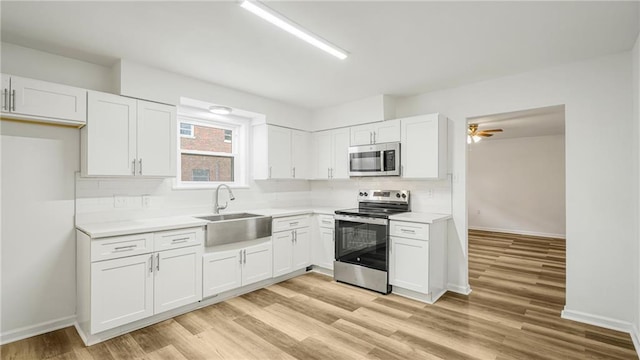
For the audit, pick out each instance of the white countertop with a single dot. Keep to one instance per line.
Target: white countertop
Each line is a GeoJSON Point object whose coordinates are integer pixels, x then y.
{"type": "Point", "coordinates": [115, 228]}
{"type": "Point", "coordinates": [418, 217]}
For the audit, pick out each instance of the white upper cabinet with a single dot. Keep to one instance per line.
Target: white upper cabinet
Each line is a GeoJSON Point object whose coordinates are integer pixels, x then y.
{"type": "Point", "coordinates": [424, 147]}
{"type": "Point", "coordinates": [128, 137]}
{"type": "Point", "coordinates": [331, 154]}
{"type": "Point", "coordinates": [376, 133]}
{"type": "Point", "coordinates": [280, 153]}
{"type": "Point", "coordinates": [43, 101]}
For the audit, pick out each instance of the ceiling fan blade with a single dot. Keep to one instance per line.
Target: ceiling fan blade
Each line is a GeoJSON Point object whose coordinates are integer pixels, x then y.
{"type": "Point", "coordinates": [491, 130]}
{"type": "Point", "coordinates": [483, 135]}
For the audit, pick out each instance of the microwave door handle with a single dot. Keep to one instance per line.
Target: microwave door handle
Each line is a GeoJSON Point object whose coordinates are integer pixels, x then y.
{"type": "Point", "coordinates": [382, 167]}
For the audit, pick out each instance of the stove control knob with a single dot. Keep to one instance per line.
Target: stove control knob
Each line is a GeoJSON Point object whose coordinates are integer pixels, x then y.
{"type": "Point", "coordinates": [361, 194]}
{"type": "Point", "coordinates": [365, 194]}
{"type": "Point", "coordinates": [404, 196]}
{"type": "Point", "coordinates": [397, 195]}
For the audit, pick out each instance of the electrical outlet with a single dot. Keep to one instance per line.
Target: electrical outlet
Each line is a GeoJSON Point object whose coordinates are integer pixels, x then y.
{"type": "Point", "coordinates": [146, 201]}
{"type": "Point", "coordinates": [119, 201]}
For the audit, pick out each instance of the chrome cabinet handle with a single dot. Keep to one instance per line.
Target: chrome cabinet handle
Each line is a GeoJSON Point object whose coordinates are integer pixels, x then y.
{"type": "Point", "coordinates": [133, 167]}
{"type": "Point", "coordinates": [181, 240]}
{"type": "Point", "coordinates": [294, 172]}
{"type": "Point", "coordinates": [245, 256]}
{"type": "Point", "coordinates": [127, 248]}
{"type": "Point", "coordinates": [5, 99]}
{"type": "Point", "coordinates": [292, 237]}
{"type": "Point", "coordinates": [408, 231]}
{"type": "Point", "coordinates": [293, 223]}
{"type": "Point", "coordinates": [269, 172]}
{"type": "Point", "coordinates": [370, 137]}
{"type": "Point", "coordinates": [13, 100]}
{"type": "Point", "coordinates": [151, 264]}
{"type": "Point", "coordinates": [240, 256]}
{"type": "Point", "coordinates": [140, 162]}
{"type": "Point", "coordinates": [158, 262]}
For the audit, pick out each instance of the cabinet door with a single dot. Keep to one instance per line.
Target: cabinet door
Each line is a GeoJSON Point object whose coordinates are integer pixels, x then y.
{"type": "Point", "coordinates": [325, 253]}
{"type": "Point", "coordinates": [156, 139]}
{"type": "Point", "coordinates": [121, 291]}
{"type": "Point", "coordinates": [361, 134]}
{"type": "Point", "coordinates": [282, 249]}
{"type": "Point", "coordinates": [387, 131]}
{"type": "Point", "coordinates": [424, 150]}
{"type": "Point", "coordinates": [340, 168]}
{"type": "Point", "coordinates": [257, 263]}
{"type": "Point", "coordinates": [110, 135]}
{"type": "Point", "coordinates": [279, 152]}
{"type": "Point", "coordinates": [301, 248]}
{"type": "Point", "coordinates": [409, 264]}
{"type": "Point", "coordinates": [221, 271]}
{"type": "Point", "coordinates": [322, 154]}
{"type": "Point", "coordinates": [300, 154]}
{"type": "Point", "coordinates": [49, 100]}
{"type": "Point", "coordinates": [178, 278]}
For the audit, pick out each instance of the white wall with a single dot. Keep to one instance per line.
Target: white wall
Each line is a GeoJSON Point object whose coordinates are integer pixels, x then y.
{"type": "Point", "coordinates": [636, 115]}
{"type": "Point", "coordinates": [145, 82]}
{"type": "Point", "coordinates": [374, 108]}
{"type": "Point", "coordinates": [601, 216]}
{"type": "Point", "coordinates": [26, 62]}
{"type": "Point", "coordinates": [517, 185]}
{"type": "Point", "coordinates": [38, 241]}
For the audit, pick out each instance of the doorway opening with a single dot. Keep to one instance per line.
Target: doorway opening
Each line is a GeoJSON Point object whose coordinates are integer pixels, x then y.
{"type": "Point", "coordinates": [516, 206]}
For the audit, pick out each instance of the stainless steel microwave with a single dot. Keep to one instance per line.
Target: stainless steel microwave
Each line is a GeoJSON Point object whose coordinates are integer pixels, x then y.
{"type": "Point", "coordinates": [375, 160]}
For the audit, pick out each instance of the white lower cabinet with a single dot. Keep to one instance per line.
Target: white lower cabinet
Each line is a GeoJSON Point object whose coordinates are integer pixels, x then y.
{"type": "Point", "coordinates": [417, 259]}
{"type": "Point", "coordinates": [121, 291]}
{"type": "Point", "coordinates": [117, 285]}
{"type": "Point", "coordinates": [409, 264]}
{"type": "Point", "coordinates": [232, 267]}
{"type": "Point", "coordinates": [324, 245]}
{"type": "Point", "coordinates": [291, 244]}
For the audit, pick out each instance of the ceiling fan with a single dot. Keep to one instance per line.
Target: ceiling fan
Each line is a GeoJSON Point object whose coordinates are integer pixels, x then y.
{"type": "Point", "coordinates": [474, 135]}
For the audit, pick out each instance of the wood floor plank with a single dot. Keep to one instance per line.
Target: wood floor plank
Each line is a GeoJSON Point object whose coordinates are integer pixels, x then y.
{"type": "Point", "coordinates": [513, 313]}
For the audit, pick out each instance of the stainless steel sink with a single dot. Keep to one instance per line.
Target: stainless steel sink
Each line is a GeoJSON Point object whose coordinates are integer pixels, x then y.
{"type": "Point", "coordinates": [230, 228]}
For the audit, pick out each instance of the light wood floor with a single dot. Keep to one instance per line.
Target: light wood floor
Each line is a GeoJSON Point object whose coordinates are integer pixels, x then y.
{"type": "Point", "coordinates": [512, 313]}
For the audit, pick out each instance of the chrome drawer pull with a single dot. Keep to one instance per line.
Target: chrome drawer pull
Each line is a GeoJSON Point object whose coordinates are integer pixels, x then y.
{"type": "Point", "coordinates": [181, 240]}
{"type": "Point", "coordinates": [408, 231]}
{"type": "Point", "coordinates": [125, 248]}
{"type": "Point", "coordinates": [293, 223]}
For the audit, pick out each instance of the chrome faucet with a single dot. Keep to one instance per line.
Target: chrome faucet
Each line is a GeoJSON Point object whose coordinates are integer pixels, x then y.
{"type": "Point", "coordinates": [217, 207]}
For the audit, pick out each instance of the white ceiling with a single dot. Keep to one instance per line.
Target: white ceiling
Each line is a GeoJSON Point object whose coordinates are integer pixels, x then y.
{"type": "Point", "coordinates": [397, 48]}
{"type": "Point", "coordinates": [545, 121]}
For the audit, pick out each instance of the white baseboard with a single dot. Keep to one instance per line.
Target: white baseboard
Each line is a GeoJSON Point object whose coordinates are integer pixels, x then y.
{"type": "Point", "coordinates": [37, 329]}
{"type": "Point", "coordinates": [464, 290]}
{"type": "Point", "coordinates": [597, 320]}
{"type": "Point", "coordinates": [519, 232]}
{"type": "Point", "coordinates": [635, 336]}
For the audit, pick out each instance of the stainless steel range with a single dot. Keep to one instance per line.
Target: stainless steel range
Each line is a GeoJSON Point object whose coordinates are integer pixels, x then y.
{"type": "Point", "coordinates": [362, 236]}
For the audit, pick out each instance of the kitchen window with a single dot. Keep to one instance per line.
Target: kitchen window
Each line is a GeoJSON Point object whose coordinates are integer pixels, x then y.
{"type": "Point", "coordinates": [211, 153]}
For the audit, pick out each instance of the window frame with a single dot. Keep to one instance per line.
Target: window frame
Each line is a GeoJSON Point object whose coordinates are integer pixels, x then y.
{"type": "Point", "coordinates": [239, 151]}
{"type": "Point", "coordinates": [191, 134]}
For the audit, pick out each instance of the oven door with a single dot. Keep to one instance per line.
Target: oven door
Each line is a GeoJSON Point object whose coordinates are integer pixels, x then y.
{"type": "Point", "coordinates": [362, 241]}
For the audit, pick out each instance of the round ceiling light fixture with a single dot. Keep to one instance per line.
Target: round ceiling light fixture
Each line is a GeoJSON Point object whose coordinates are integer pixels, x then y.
{"type": "Point", "coordinates": [220, 110]}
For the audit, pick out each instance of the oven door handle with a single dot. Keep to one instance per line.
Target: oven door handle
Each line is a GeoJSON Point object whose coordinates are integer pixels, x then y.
{"type": "Point", "coordinates": [360, 219]}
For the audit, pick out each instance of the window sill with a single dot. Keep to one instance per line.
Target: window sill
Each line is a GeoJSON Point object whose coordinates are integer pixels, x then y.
{"type": "Point", "coordinates": [209, 186]}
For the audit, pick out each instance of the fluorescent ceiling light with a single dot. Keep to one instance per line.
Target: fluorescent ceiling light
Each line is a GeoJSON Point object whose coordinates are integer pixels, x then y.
{"type": "Point", "coordinates": [292, 28]}
{"type": "Point", "coordinates": [220, 110]}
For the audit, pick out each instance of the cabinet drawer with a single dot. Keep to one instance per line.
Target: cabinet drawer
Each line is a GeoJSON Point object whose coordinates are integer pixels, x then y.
{"type": "Point", "coordinates": [291, 222]}
{"type": "Point", "coordinates": [409, 230]}
{"type": "Point", "coordinates": [121, 246]}
{"type": "Point", "coordinates": [326, 221]}
{"type": "Point", "coordinates": [166, 240]}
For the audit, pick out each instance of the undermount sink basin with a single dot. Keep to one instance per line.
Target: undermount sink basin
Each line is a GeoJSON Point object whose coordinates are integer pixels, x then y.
{"type": "Point", "coordinates": [231, 228]}
{"type": "Point", "coordinates": [223, 217]}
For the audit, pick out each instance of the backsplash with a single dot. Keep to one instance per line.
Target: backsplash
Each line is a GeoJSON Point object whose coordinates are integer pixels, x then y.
{"type": "Point", "coordinates": [426, 195]}
{"type": "Point", "coordinates": [103, 199]}
{"type": "Point", "coordinates": [100, 200]}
